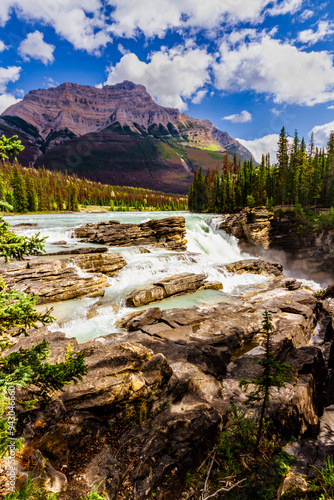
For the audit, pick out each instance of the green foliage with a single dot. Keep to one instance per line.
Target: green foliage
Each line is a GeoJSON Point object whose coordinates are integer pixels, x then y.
{"type": "Point", "coordinates": [325, 293]}
{"type": "Point", "coordinates": [17, 313]}
{"type": "Point", "coordinates": [27, 368]}
{"type": "Point", "coordinates": [31, 491]}
{"type": "Point", "coordinates": [9, 148]}
{"type": "Point", "coordinates": [300, 177]}
{"type": "Point", "coordinates": [14, 246]}
{"type": "Point", "coordinates": [45, 377]}
{"type": "Point", "coordinates": [264, 470]}
{"type": "Point", "coordinates": [326, 478]}
{"type": "Point", "coordinates": [274, 374]}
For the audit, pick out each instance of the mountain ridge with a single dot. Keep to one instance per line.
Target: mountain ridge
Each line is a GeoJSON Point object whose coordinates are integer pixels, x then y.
{"type": "Point", "coordinates": [80, 116]}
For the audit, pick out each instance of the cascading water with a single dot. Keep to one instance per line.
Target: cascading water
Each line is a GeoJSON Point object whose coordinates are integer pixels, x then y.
{"type": "Point", "coordinates": [208, 249]}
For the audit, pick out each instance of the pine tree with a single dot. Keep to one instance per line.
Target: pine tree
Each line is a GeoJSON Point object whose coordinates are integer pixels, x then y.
{"type": "Point", "coordinates": [19, 197]}
{"type": "Point", "coordinates": [274, 374]}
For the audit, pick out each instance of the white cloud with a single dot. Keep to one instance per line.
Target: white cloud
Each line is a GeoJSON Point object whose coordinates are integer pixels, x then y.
{"type": "Point", "coordinates": [285, 7]}
{"type": "Point", "coordinates": [7, 100]}
{"type": "Point", "coordinates": [199, 96]}
{"type": "Point", "coordinates": [170, 76]}
{"type": "Point", "coordinates": [277, 68]}
{"type": "Point", "coordinates": [10, 74]}
{"type": "Point", "coordinates": [81, 22]}
{"type": "Point", "coordinates": [154, 18]}
{"type": "Point", "coordinates": [242, 117]}
{"type": "Point", "coordinates": [331, 107]}
{"type": "Point", "coordinates": [2, 46]}
{"type": "Point", "coordinates": [306, 14]}
{"type": "Point", "coordinates": [34, 47]}
{"type": "Point", "coordinates": [321, 133]}
{"type": "Point", "coordinates": [262, 146]}
{"type": "Point", "coordinates": [310, 37]}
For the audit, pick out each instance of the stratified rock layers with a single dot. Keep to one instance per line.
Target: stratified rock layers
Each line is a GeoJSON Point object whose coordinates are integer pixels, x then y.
{"type": "Point", "coordinates": [168, 233]}
{"type": "Point", "coordinates": [62, 279]}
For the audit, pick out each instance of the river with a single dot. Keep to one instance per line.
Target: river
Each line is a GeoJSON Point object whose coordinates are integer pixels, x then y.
{"type": "Point", "coordinates": [208, 249]}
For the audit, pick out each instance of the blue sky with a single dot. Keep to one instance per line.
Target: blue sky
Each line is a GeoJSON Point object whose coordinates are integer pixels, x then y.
{"type": "Point", "coordinates": [249, 66]}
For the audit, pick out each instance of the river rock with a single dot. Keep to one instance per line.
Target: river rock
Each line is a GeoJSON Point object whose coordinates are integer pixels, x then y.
{"type": "Point", "coordinates": [180, 284]}
{"type": "Point", "coordinates": [256, 266]}
{"type": "Point", "coordinates": [78, 251]}
{"type": "Point", "coordinates": [55, 280]}
{"type": "Point", "coordinates": [168, 233]}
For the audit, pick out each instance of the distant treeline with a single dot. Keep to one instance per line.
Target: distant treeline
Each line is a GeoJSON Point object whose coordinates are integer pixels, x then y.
{"type": "Point", "coordinates": [38, 190]}
{"type": "Point", "coordinates": [302, 176]}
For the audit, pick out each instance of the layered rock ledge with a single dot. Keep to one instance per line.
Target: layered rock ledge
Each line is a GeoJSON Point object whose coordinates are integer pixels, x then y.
{"type": "Point", "coordinates": [169, 233]}
{"type": "Point", "coordinates": [180, 284]}
{"type": "Point", "coordinates": [62, 279]}
{"type": "Point", "coordinates": [260, 231]}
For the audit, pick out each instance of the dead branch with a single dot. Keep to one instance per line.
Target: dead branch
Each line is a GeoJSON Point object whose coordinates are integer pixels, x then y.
{"type": "Point", "coordinates": [204, 490]}
{"type": "Point", "coordinates": [224, 489]}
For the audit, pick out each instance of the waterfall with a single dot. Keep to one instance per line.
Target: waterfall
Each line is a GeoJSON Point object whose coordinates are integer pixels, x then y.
{"type": "Point", "coordinates": [208, 249]}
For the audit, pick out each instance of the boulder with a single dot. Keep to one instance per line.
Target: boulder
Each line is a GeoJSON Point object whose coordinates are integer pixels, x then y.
{"type": "Point", "coordinates": [180, 284]}
{"type": "Point", "coordinates": [168, 233]}
{"type": "Point", "coordinates": [256, 266]}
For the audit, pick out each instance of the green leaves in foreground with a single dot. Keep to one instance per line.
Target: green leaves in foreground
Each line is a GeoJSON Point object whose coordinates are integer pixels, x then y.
{"type": "Point", "coordinates": [17, 313]}
{"type": "Point", "coordinates": [15, 247]}
{"type": "Point", "coordinates": [45, 377]}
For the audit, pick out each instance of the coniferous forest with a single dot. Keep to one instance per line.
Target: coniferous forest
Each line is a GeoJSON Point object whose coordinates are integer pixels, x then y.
{"type": "Point", "coordinates": [303, 176]}
{"type": "Point", "coordinates": [32, 190]}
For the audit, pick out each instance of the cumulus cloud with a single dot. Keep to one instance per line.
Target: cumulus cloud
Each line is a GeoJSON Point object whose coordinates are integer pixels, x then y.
{"type": "Point", "coordinates": [242, 117]}
{"type": "Point", "coordinates": [10, 74]}
{"type": "Point", "coordinates": [270, 66]}
{"type": "Point", "coordinates": [35, 47]}
{"type": "Point", "coordinates": [154, 18]}
{"type": "Point", "coordinates": [310, 36]}
{"type": "Point", "coordinates": [7, 100]}
{"type": "Point", "coordinates": [170, 75]}
{"type": "Point", "coordinates": [81, 22]}
{"type": "Point", "coordinates": [262, 146]}
{"type": "Point", "coordinates": [89, 24]}
{"type": "Point", "coordinates": [321, 133]}
{"type": "Point", "coordinates": [331, 107]}
{"type": "Point", "coordinates": [2, 46]}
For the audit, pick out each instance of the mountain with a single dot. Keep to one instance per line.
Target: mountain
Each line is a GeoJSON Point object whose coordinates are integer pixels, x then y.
{"type": "Point", "coordinates": [116, 135]}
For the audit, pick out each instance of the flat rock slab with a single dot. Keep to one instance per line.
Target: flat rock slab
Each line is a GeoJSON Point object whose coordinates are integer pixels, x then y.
{"type": "Point", "coordinates": [180, 284]}
{"type": "Point", "coordinates": [63, 279]}
{"type": "Point", "coordinates": [77, 251]}
{"type": "Point", "coordinates": [168, 233]}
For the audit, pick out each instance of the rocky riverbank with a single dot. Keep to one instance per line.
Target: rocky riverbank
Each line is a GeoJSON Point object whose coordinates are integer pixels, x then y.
{"type": "Point", "coordinates": [158, 394]}
{"type": "Point", "coordinates": [280, 237]}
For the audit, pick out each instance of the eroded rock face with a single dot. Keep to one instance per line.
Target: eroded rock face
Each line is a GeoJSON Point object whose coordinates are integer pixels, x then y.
{"type": "Point", "coordinates": [180, 284]}
{"type": "Point", "coordinates": [168, 233]}
{"type": "Point", "coordinates": [308, 252]}
{"type": "Point", "coordinates": [62, 279]}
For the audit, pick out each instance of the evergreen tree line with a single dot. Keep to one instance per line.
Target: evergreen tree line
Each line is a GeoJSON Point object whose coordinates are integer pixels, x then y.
{"type": "Point", "coordinates": [302, 176]}
{"type": "Point", "coordinates": [32, 190]}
